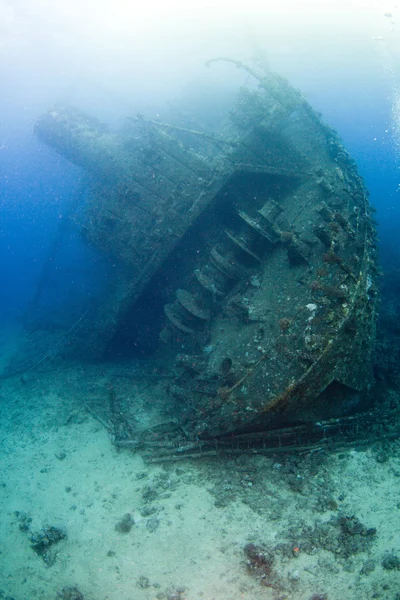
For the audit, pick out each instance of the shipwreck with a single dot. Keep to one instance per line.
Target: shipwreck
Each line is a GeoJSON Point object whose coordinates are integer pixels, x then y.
{"type": "Point", "coordinates": [254, 245]}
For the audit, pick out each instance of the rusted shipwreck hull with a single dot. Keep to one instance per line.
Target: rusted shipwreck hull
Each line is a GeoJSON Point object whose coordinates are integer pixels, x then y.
{"type": "Point", "coordinates": [260, 240]}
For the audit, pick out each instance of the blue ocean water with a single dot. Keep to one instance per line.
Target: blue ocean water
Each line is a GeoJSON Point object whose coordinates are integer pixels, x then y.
{"type": "Point", "coordinates": [351, 90]}
{"type": "Point", "coordinates": [114, 63]}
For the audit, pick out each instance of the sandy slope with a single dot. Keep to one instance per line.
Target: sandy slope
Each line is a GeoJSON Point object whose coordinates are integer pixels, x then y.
{"type": "Point", "coordinates": [192, 520]}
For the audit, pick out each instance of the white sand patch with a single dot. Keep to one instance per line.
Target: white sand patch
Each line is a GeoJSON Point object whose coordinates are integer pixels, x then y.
{"type": "Point", "coordinates": [192, 520]}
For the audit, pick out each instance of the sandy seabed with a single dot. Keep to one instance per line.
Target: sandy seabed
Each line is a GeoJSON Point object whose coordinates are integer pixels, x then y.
{"type": "Point", "coordinates": [329, 523]}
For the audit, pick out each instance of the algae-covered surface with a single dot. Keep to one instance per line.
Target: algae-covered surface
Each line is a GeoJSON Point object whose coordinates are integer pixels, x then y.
{"type": "Point", "coordinates": [316, 524]}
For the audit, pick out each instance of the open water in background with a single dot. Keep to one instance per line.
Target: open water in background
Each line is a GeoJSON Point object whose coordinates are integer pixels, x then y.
{"type": "Point", "coordinates": [345, 60]}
